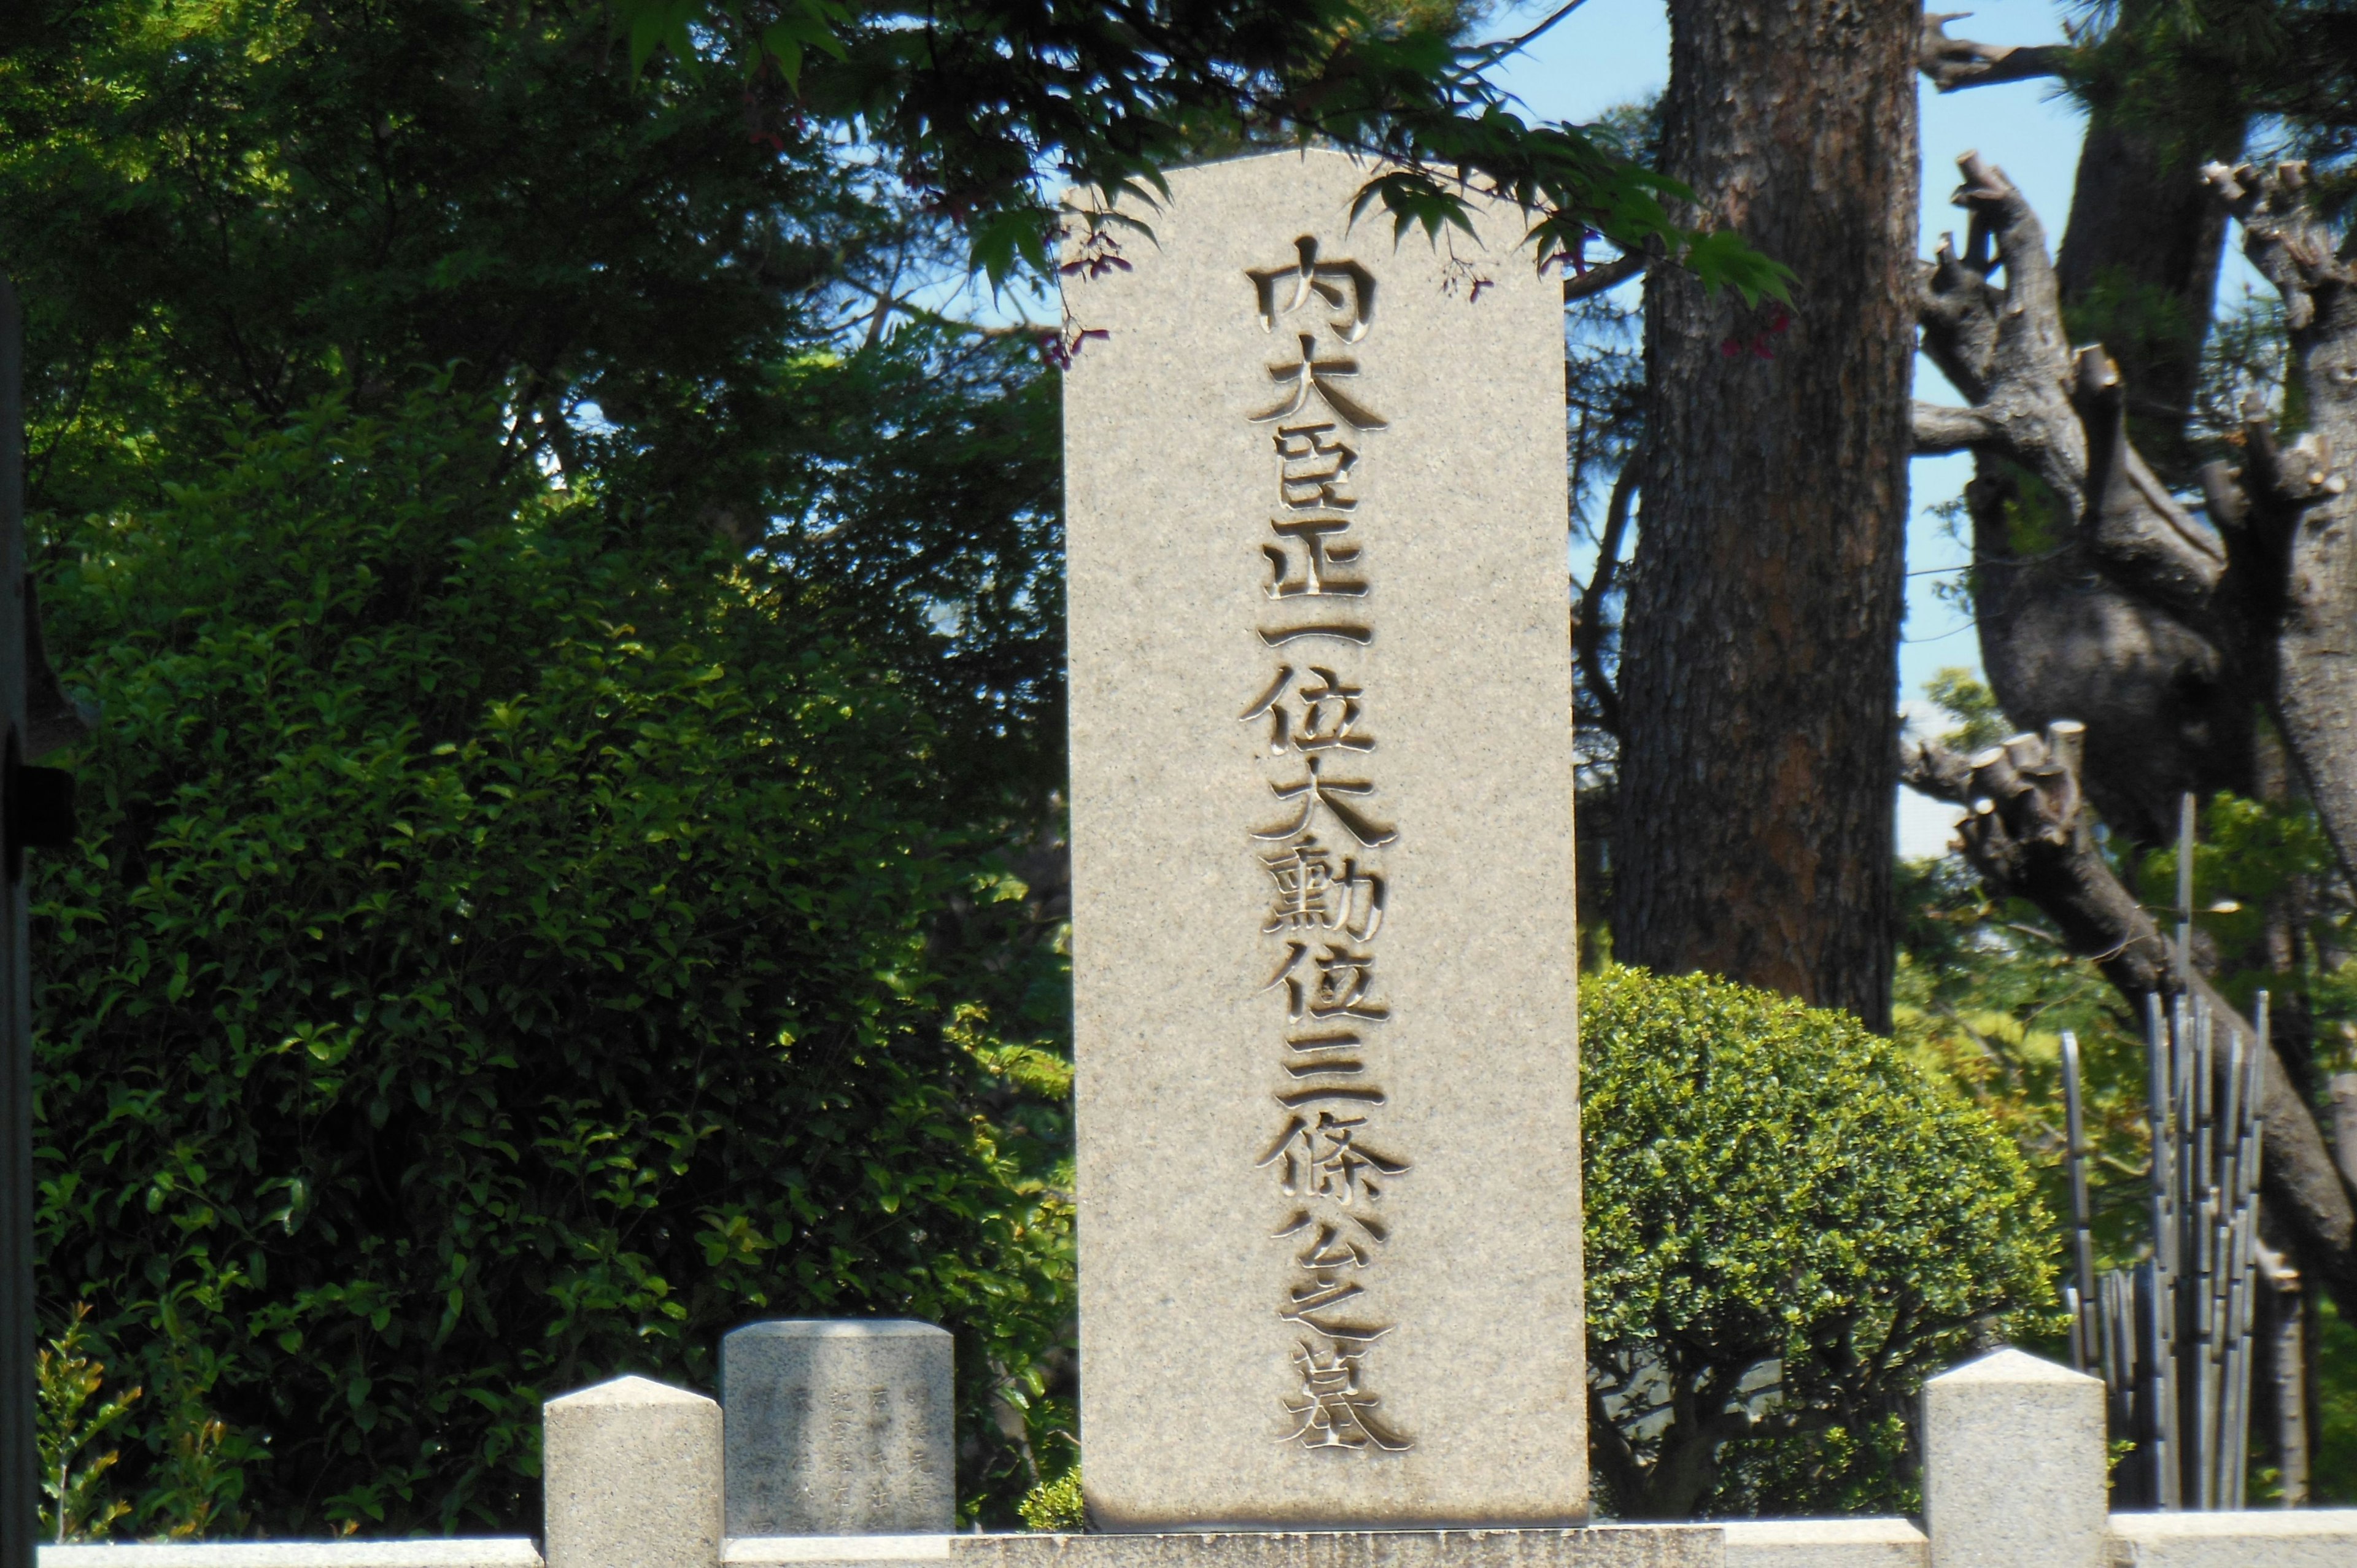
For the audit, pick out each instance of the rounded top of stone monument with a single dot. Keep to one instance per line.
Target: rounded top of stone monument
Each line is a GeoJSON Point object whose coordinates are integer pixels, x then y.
{"type": "Point", "coordinates": [840, 1327]}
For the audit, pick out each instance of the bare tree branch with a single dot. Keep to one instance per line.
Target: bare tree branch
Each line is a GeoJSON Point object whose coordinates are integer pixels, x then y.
{"type": "Point", "coordinates": [2133, 523]}
{"type": "Point", "coordinates": [1938, 427]}
{"type": "Point", "coordinates": [2005, 350]}
{"type": "Point", "coordinates": [1951, 63]}
{"type": "Point", "coordinates": [1941, 772]}
{"type": "Point", "coordinates": [2281, 234]}
{"type": "Point", "coordinates": [2098, 594]}
{"type": "Point", "coordinates": [1604, 274]}
{"type": "Point", "coordinates": [2299, 524]}
{"type": "Point", "coordinates": [1588, 631]}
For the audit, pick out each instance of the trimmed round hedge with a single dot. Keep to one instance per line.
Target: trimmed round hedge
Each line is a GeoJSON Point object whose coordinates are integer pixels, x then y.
{"type": "Point", "coordinates": [1789, 1226]}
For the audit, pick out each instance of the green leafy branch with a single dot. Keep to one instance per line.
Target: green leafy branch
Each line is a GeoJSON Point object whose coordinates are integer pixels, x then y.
{"type": "Point", "coordinates": [66, 1381]}
{"type": "Point", "coordinates": [971, 102]}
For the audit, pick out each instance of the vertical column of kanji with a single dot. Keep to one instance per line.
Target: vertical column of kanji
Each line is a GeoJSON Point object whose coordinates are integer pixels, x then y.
{"type": "Point", "coordinates": [1327, 890]}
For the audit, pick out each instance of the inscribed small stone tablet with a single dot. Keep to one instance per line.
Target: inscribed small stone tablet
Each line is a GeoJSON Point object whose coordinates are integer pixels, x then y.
{"type": "Point", "coordinates": [838, 1427]}
{"type": "Point", "coordinates": [1329, 1164]}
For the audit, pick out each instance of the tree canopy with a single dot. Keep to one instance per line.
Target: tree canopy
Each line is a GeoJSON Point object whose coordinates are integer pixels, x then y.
{"type": "Point", "coordinates": [575, 703]}
{"type": "Point", "coordinates": [494, 964]}
{"type": "Point", "coordinates": [979, 105]}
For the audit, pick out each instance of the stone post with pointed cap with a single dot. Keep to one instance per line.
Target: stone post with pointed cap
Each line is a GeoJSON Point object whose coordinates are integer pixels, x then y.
{"type": "Point", "coordinates": [632, 1474]}
{"type": "Point", "coordinates": [2013, 1465]}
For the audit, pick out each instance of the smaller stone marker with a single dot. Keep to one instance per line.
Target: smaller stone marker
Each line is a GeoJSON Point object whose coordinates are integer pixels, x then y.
{"type": "Point", "coordinates": [2013, 1465]}
{"type": "Point", "coordinates": [630, 1470]}
{"type": "Point", "coordinates": [838, 1428]}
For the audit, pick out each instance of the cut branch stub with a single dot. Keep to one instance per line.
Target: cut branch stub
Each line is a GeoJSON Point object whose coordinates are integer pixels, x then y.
{"type": "Point", "coordinates": [2026, 831]}
{"type": "Point", "coordinates": [1951, 63]}
{"type": "Point", "coordinates": [2026, 835]}
{"type": "Point", "coordinates": [2024, 793]}
{"type": "Point", "coordinates": [2282, 236]}
{"type": "Point", "coordinates": [1958, 308]}
{"type": "Point", "coordinates": [2134, 526]}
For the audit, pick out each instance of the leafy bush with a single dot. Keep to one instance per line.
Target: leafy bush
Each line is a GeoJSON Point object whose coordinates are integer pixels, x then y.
{"type": "Point", "coordinates": [1057, 1504]}
{"type": "Point", "coordinates": [494, 962]}
{"type": "Point", "coordinates": [1788, 1227]}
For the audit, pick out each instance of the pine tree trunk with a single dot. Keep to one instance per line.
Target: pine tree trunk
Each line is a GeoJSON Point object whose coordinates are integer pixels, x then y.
{"type": "Point", "coordinates": [1758, 730]}
{"type": "Point", "coordinates": [2138, 262]}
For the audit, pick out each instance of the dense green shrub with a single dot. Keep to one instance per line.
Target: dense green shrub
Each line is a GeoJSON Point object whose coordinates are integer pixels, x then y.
{"type": "Point", "coordinates": [1788, 1226]}
{"type": "Point", "coordinates": [495, 961]}
{"type": "Point", "coordinates": [1056, 1505]}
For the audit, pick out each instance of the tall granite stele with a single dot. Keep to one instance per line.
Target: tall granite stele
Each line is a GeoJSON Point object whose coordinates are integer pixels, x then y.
{"type": "Point", "coordinates": [1321, 771]}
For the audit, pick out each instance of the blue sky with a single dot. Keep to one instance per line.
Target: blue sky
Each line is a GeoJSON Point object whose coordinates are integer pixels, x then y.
{"type": "Point", "coordinates": [1615, 52]}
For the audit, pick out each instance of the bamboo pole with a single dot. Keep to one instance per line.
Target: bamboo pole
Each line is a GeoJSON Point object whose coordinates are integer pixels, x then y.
{"type": "Point", "coordinates": [2084, 1352]}
{"type": "Point", "coordinates": [2176, 1341]}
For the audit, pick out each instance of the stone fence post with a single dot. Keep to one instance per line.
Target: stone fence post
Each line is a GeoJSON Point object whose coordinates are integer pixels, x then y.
{"type": "Point", "coordinates": [2014, 1472]}
{"type": "Point", "coordinates": [631, 1473]}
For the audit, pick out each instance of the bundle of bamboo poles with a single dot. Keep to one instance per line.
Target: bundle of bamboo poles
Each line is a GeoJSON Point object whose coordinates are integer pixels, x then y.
{"type": "Point", "coordinates": [2172, 1338]}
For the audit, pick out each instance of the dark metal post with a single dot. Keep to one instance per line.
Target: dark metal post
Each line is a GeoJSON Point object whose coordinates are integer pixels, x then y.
{"type": "Point", "coordinates": [19, 1463]}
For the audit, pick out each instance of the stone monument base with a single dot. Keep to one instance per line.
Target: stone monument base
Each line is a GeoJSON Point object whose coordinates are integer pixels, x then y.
{"type": "Point", "coordinates": [1597, 1546]}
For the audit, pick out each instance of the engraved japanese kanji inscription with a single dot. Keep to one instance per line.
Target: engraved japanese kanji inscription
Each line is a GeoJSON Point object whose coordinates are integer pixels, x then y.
{"type": "Point", "coordinates": [1329, 1174]}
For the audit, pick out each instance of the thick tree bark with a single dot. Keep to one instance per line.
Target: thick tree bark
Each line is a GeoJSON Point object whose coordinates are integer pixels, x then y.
{"type": "Point", "coordinates": [2138, 263]}
{"type": "Point", "coordinates": [2094, 590]}
{"type": "Point", "coordinates": [2303, 519]}
{"type": "Point", "coordinates": [1763, 613]}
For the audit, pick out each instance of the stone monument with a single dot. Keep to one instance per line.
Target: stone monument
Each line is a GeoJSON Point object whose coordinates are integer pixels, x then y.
{"type": "Point", "coordinates": [839, 1427]}
{"type": "Point", "coordinates": [1327, 1098]}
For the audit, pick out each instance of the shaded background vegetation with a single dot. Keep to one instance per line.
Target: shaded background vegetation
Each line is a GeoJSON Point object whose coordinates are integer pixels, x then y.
{"type": "Point", "coordinates": [575, 695]}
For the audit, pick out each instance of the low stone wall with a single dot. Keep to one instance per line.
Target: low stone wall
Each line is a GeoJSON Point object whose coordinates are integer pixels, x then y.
{"type": "Point", "coordinates": [505, 1551]}
{"type": "Point", "coordinates": [2299, 1538]}
{"type": "Point", "coordinates": [1599, 1546]}
{"type": "Point", "coordinates": [2315, 1538]}
{"type": "Point", "coordinates": [2013, 1477]}
{"type": "Point", "coordinates": [1825, 1544]}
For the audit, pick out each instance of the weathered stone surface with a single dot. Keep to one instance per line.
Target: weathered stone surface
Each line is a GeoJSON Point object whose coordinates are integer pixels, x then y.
{"type": "Point", "coordinates": [2292, 1538]}
{"type": "Point", "coordinates": [1318, 651]}
{"type": "Point", "coordinates": [489, 1552]}
{"type": "Point", "coordinates": [1824, 1543]}
{"type": "Point", "coordinates": [1604, 1546]}
{"type": "Point", "coordinates": [2013, 1465]}
{"type": "Point", "coordinates": [839, 1427]}
{"type": "Point", "coordinates": [630, 1470]}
